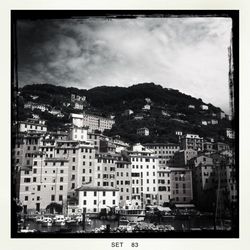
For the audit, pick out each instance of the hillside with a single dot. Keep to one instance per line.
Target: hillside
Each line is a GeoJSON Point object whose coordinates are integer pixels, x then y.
{"type": "Point", "coordinates": [169, 110]}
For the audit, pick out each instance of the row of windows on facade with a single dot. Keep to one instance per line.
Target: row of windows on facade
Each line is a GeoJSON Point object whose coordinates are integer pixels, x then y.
{"type": "Point", "coordinates": [141, 174]}
{"type": "Point", "coordinates": [136, 190]}
{"type": "Point", "coordinates": [137, 166]}
{"type": "Point", "coordinates": [142, 159]}
{"type": "Point", "coordinates": [38, 198]}
{"type": "Point", "coordinates": [163, 147]}
{"type": "Point", "coordinates": [95, 202]}
{"type": "Point", "coordinates": [26, 180]}
{"type": "Point", "coordinates": [35, 127]}
{"type": "Point", "coordinates": [165, 152]}
{"type": "Point", "coordinates": [39, 188]}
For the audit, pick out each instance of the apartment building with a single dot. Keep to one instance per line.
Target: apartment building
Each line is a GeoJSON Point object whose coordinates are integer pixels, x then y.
{"type": "Point", "coordinates": [191, 141]}
{"type": "Point", "coordinates": [164, 151]}
{"type": "Point", "coordinates": [78, 133]}
{"type": "Point", "coordinates": [182, 157]}
{"type": "Point", "coordinates": [181, 185]}
{"type": "Point", "coordinates": [164, 185]}
{"type": "Point", "coordinates": [105, 170]}
{"type": "Point", "coordinates": [124, 180]}
{"type": "Point", "coordinates": [144, 176]}
{"type": "Point", "coordinates": [43, 183]}
{"type": "Point", "coordinates": [93, 122]}
{"type": "Point", "coordinates": [32, 125]}
{"type": "Point", "coordinates": [143, 131]}
{"type": "Point", "coordinates": [93, 199]}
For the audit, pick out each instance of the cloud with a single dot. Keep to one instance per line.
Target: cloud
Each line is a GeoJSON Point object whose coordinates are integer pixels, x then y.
{"type": "Point", "coordinates": [189, 54]}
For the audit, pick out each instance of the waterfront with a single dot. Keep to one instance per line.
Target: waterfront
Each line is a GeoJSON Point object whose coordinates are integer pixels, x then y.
{"type": "Point", "coordinates": [194, 223]}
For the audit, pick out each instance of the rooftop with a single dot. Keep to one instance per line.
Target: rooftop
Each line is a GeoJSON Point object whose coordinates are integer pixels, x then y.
{"type": "Point", "coordinates": [95, 188]}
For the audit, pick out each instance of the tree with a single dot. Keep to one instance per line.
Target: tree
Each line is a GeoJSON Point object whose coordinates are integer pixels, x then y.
{"type": "Point", "coordinates": [54, 207]}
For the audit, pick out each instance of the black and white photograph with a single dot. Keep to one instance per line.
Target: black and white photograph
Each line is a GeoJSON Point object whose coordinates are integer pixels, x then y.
{"type": "Point", "coordinates": [124, 124]}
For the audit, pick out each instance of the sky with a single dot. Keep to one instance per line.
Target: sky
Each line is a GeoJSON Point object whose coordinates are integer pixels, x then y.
{"type": "Point", "coordinates": [188, 54]}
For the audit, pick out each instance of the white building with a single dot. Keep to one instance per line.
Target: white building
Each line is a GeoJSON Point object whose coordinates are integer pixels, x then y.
{"type": "Point", "coordinates": [191, 106]}
{"type": "Point", "coordinates": [92, 199]}
{"type": "Point", "coordinates": [204, 123]}
{"type": "Point", "coordinates": [146, 107]}
{"type": "Point", "coordinates": [92, 121]}
{"type": "Point", "coordinates": [144, 176]}
{"type": "Point", "coordinates": [204, 107]}
{"type": "Point", "coordinates": [230, 133]}
{"type": "Point", "coordinates": [214, 121]}
{"type": "Point", "coordinates": [32, 125]}
{"type": "Point", "coordinates": [78, 133]}
{"type": "Point", "coordinates": [143, 131]}
{"type": "Point", "coordinates": [191, 141]}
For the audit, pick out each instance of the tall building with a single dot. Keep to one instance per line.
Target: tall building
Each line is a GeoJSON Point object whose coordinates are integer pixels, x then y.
{"type": "Point", "coordinates": [144, 176]}
{"type": "Point", "coordinates": [181, 185]}
{"type": "Point", "coordinates": [191, 141]}
{"type": "Point", "coordinates": [164, 151]}
{"type": "Point", "coordinates": [43, 183]}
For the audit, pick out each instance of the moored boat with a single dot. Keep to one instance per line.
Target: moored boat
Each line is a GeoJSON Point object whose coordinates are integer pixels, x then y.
{"type": "Point", "coordinates": [134, 215]}
{"type": "Point", "coordinates": [47, 222]}
{"type": "Point", "coordinates": [59, 220]}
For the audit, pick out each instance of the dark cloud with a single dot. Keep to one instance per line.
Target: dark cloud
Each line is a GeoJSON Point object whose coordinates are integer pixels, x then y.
{"type": "Point", "coordinates": [189, 54]}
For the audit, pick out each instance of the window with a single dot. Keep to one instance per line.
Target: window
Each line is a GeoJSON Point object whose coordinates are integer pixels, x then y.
{"type": "Point", "coordinates": [26, 198]}
{"type": "Point", "coordinates": [74, 159]}
{"type": "Point", "coordinates": [84, 202]}
{"type": "Point", "coordinates": [73, 168]}
{"type": "Point", "coordinates": [61, 188]}
{"type": "Point", "coordinates": [60, 197]}
{"type": "Point", "coordinates": [61, 179]}
{"type": "Point", "coordinates": [113, 202]}
{"type": "Point", "coordinates": [94, 193]}
{"type": "Point", "coordinates": [62, 163]}
{"type": "Point", "coordinates": [104, 194]}
{"type": "Point", "coordinates": [52, 197]}
{"type": "Point", "coordinates": [113, 193]}
{"type": "Point", "coordinates": [26, 188]}
{"type": "Point", "coordinates": [34, 170]}
{"type": "Point", "coordinates": [73, 186]}
{"type": "Point", "coordinates": [35, 163]}
{"type": "Point", "coordinates": [38, 198]}
{"type": "Point", "coordinates": [34, 179]}
{"type": "Point", "coordinates": [84, 193]}
{"type": "Point", "coordinates": [95, 202]}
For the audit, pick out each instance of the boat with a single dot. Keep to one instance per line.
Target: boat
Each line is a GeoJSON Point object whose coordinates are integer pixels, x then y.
{"type": "Point", "coordinates": [134, 215]}
{"type": "Point", "coordinates": [59, 220]}
{"type": "Point", "coordinates": [71, 221]}
{"type": "Point", "coordinates": [47, 222]}
{"type": "Point", "coordinates": [39, 219]}
{"type": "Point", "coordinates": [88, 221]}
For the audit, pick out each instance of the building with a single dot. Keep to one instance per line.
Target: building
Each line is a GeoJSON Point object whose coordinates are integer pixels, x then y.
{"type": "Point", "coordinates": [204, 123]}
{"type": "Point", "coordinates": [164, 151]}
{"type": "Point", "coordinates": [124, 181]}
{"type": "Point", "coordinates": [32, 125]}
{"type": "Point", "coordinates": [78, 133]}
{"type": "Point", "coordinates": [78, 105]}
{"type": "Point", "coordinates": [181, 185]}
{"type": "Point", "coordinates": [214, 122]}
{"type": "Point", "coordinates": [105, 170]}
{"type": "Point", "coordinates": [182, 157]}
{"type": "Point", "coordinates": [204, 107]}
{"type": "Point", "coordinates": [146, 107]}
{"type": "Point", "coordinates": [191, 106]}
{"type": "Point", "coordinates": [107, 146]}
{"type": "Point", "coordinates": [95, 139]}
{"type": "Point", "coordinates": [128, 112]}
{"type": "Point", "coordinates": [43, 183]}
{"type": "Point", "coordinates": [143, 131]}
{"type": "Point", "coordinates": [93, 122]}
{"type": "Point", "coordinates": [92, 199]}
{"type": "Point", "coordinates": [191, 141]}
{"type": "Point", "coordinates": [208, 146]}
{"type": "Point", "coordinates": [81, 160]}
{"type": "Point", "coordinates": [75, 97]}
{"type": "Point", "coordinates": [221, 115]}
{"type": "Point", "coordinates": [138, 117]}
{"type": "Point", "coordinates": [42, 107]}
{"type": "Point", "coordinates": [145, 166]}
{"type": "Point", "coordinates": [221, 146]}
{"type": "Point", "coordinates": [164, 185]}
{"type": "Point", "coordinates": [230, 133]}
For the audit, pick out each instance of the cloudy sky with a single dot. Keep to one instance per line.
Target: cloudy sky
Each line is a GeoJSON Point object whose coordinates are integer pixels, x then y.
{"type": "Point", "coordinates": [188, 54]}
